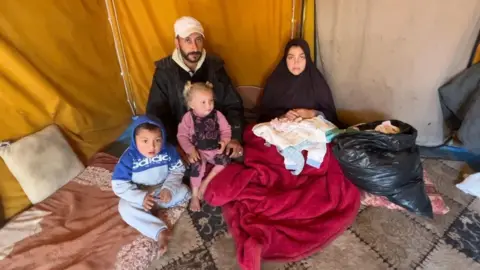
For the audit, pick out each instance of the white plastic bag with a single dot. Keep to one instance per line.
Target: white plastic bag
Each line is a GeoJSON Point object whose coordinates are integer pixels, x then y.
{"type": "Point", "coordinates": [471, 185]}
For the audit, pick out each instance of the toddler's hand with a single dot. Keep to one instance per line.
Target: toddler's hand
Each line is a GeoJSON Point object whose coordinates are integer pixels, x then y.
{"type": "Point", "coordinates": [194, 156]}
{"type": "Point", "coordinates": [183, 155]}
{"type": "Point", "coordinates": [222, 146]}
{"type": "Point", "coordinates": [148, 202]}
{"type": "Point", "coordinates": [165, 195]}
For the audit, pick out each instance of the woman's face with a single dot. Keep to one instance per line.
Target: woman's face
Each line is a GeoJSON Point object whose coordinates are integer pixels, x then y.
{"type": "Point", "coordinates": [296, 61]}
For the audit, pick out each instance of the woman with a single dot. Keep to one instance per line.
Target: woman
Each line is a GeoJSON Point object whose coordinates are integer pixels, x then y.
{"type": "Point", "coordinates": [296, 88]}
{"type": "Point", "coordinates": [271, 213]}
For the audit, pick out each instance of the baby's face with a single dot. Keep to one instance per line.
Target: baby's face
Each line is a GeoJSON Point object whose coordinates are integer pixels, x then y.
{"type": "Point", "coordinates": [202, 103]}
{"type": "Point", "coordinates": [149, 142]}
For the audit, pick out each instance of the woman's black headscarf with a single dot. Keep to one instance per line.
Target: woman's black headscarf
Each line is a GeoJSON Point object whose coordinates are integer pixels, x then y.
{"type": "Point", "coordinates": [285, 91]}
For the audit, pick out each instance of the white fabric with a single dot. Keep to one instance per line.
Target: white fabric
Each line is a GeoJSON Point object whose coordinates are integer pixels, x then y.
{"type": "Point", "coordinates": [41, 162]}
{"type": "Point", "coordinates": [177, 58]}
{"type": "Point", "coordinates": [471, 185]}
{"type": "Point", "coordinates": [291, 138]}
{"type": "Point", "coordinates": [186, 25]}
{"type": "Point", "coordinates": [24, 225]}
{"type": "Point", "coordinates": [292, 133]}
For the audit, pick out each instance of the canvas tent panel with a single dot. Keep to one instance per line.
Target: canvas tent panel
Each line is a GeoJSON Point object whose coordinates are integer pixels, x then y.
{"type": "Point", "coordinates": [58, 65]}
{"type": "Point", "coordinates": [387, 59]}
{"type": "Point", "coordinates": [383, 59]}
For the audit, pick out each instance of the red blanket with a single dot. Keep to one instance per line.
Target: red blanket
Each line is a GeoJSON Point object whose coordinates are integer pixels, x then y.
{"type": "Point", "coordinates": [274, 215]}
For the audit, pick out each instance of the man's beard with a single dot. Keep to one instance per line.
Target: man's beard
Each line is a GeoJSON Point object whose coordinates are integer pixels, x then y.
{"type": "Point", "coordinates": [185, 56]}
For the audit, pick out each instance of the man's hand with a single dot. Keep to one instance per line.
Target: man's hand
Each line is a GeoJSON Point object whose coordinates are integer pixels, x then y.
{"type": "Point", "coordinates": [194, 156]}
{"type": "Point", "coordinates": [148, 202]}
{"type": "Point", "coordinates": [234, 149]}
{"type": "Point", "coordinates": [165, 196]}
{"type": "Point", "coordinates": [183, 155]}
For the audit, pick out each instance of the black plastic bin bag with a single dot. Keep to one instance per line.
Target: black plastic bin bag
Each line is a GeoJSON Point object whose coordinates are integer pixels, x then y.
{"type": "Point", "coordinates": [385, 164]}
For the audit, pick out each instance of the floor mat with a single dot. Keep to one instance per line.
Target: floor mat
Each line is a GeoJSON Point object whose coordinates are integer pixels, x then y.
{"type": "Point", "coordinates": [379, 239]}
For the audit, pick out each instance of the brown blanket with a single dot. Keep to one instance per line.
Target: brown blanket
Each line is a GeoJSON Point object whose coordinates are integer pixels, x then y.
{"type": "Point", "coordinates": [78, 227]}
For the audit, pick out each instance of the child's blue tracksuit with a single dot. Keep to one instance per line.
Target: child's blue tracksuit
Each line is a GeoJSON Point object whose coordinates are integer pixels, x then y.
{"type": "Point", "coordinates": [134, 173]}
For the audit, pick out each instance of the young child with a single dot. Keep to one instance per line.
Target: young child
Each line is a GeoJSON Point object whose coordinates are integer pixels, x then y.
{"type": "Point", "coordinates": [148, 176]}
{"type": "Point", "coordinates": [203, 134]}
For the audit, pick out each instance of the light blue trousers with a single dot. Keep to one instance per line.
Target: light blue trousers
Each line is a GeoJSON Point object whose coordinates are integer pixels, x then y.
{"type": "Point", "coordinates": [144, 221]}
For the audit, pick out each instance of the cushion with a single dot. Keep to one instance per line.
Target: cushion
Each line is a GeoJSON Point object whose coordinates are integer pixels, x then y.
{"type": "Point", "coordinates": [250, 96]}
{"type": "Point", "coordinates": [438, 204]}
{"type": "Point", "coordinates": [41, 162]}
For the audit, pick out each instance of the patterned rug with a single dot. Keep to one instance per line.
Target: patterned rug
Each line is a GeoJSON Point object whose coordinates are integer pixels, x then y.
{"type": "Point", "coordinates": [379, 239]}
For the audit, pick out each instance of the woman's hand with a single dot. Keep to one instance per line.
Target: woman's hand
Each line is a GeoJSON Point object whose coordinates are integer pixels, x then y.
{"type": "Point", "coordinates": [292, 116]}
{"type": "Point", "coordinates": [306, 113]}
{"type": "Point", "coordinates": [299, 114]}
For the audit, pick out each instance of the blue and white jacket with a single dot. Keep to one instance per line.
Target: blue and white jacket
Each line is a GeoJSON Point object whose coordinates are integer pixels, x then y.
{"type": "Point", "coordinates": [133, 168]}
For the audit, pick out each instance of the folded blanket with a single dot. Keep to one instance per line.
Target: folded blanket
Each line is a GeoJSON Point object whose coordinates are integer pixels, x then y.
{"type": "Point", "coordinates": [288, 133]}
{"type": "Point", "coordinates": [292, 137]}
{"type": "Point", "coordinates": [274, 215]}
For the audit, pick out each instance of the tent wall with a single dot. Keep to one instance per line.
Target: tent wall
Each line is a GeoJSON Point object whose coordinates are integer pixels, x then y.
{"type": "Point", "coordinates": [58, 65]}
{"type": "Point", "coordinates": [387, 58]}
{"type": "Point", "coordinates": [382, 58]}
{"type": "Point", "coordinates": [248, 34]}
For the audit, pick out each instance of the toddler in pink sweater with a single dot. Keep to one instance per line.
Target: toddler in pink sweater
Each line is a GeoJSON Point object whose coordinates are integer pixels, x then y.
{"type": "Point", "coordinates": [203, 134]}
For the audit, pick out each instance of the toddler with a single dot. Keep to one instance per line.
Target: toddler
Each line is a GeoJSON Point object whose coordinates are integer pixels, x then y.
{"type": "Point", "coordinates": [148, 176]}
{"type": "Point", "coordinates": [203, 134]}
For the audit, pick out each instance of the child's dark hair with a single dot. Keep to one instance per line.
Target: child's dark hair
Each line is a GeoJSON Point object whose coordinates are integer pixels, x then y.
{"type": "Point", "coordinates": [147, 126]}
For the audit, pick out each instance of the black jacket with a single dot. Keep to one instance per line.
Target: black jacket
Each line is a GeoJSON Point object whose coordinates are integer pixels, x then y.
{"type": "Point", "coordinates": [166, 101]}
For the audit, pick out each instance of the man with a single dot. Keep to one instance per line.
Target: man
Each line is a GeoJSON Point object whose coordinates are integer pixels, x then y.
{"type": "Point", "coordinates": [190, 62]}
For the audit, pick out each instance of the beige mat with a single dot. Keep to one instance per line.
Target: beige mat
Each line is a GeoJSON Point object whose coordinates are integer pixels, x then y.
{"type": "Point", "coordinates": [379, 239]}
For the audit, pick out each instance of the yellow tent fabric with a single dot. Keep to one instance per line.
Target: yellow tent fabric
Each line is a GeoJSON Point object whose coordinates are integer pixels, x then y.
{"type": "Point", "coordinates": [248, 34]}
{"type": "Point", "coordinates": [476, 58]}
{"type": "Point", "coordinates": [58, 65]}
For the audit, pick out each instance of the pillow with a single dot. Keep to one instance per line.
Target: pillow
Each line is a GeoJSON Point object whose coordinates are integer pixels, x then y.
{"type": "Point", "coordinates": [438, 204]}
{"type": "Point", "coordinates": [41, 162]}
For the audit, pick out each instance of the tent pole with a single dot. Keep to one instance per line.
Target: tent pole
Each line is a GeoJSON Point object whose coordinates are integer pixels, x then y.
{"type": "Point", "coordinates": [301, 33]}
{"type": "Point", "coordinates": [120, 52]}
{"type": "Point", "coordinates": [292, 32]}
{"type": "Point", "coordinates": [315, 34]}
